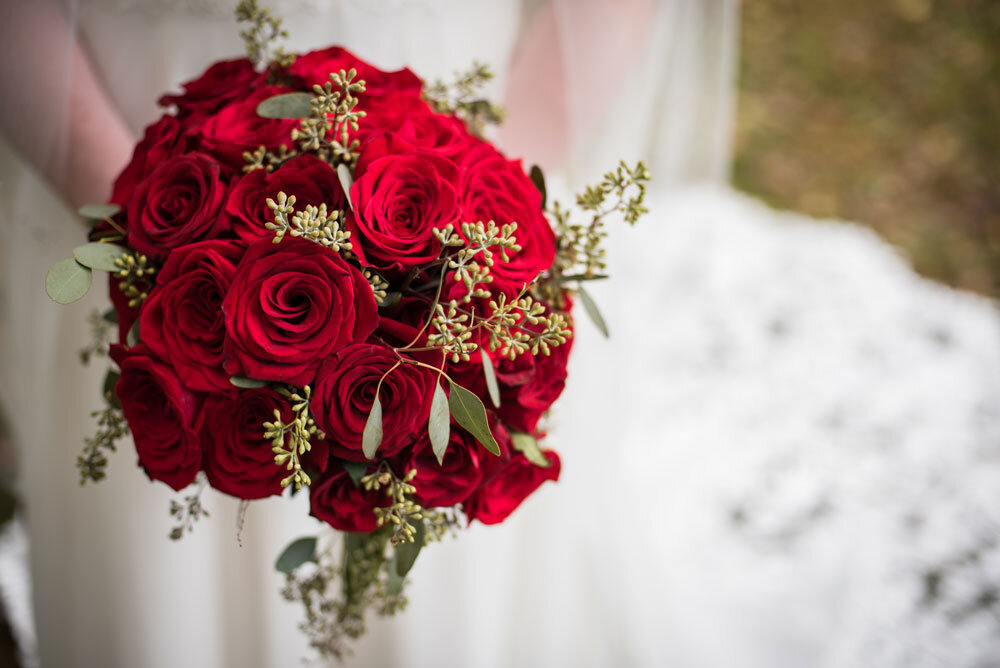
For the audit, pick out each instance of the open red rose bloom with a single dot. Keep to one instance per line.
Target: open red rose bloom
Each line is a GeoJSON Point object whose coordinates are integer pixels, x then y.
{"type": "Point", "coordinates": [334, 298]}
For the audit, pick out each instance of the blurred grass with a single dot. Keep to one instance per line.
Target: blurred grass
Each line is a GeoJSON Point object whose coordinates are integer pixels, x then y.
{"type": "Point", "coordinates": [886, 113]}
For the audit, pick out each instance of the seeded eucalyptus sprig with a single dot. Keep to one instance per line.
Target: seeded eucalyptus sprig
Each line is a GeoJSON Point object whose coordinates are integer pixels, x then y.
{"type": "Point", "coordinates": [403, 509]}
{"type": "Point", "coordinates": [331, 119]}
{"type": "Point", "coordinates": [291, 440]}
{"type": "Point", "coordinates": [313, 223]}
{"type": "Point", "coordinates": [263, 29]}
{"type": "Point", "coordinates": [191, 510]}
{"type": "Point", "coordinates": [579, 249]}
{"type": "Point", "coordinates": [462, 98]}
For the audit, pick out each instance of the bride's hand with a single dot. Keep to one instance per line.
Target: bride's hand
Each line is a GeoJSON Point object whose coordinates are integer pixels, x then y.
{"type": "Point", "coordinates": [54, 110]}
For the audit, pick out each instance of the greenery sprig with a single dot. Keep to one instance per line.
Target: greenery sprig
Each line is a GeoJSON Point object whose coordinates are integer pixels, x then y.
{"type": "Point", "coordinates": [403, 509]}
{"type": "Point", "coordinates": [580, 246]}
{"type": "Point", "coordinates": [111, 426]}
{"type": "Point", "coordinates": [135, 274]}
{"type": "Point", "coordinates": [313, 223]}
{"type": "Point", "coordinates": [333, 116]}
{"type": "Point", "coordinates": [462, 98]}
{"type": "Point", "coordinates": [291, 440]}
{"type": "Point", "coordinates": [262, 31]}
{"type": "Point", "coordinates": [191, 510]}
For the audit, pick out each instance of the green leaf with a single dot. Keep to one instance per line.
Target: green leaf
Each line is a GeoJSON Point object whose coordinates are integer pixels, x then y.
{"type": "Point", "coordinates": [528, 444]}
{"type": "Point", "coordinates": [394, 581]}
{"type": "Point", "coordinates": [247, 383]}
{"type": "Point", "coordinates": [111, 315]}
{"type": "Point", "coordinates": [98, 211]}
{"type": "Point", "coordinates": [372, 436]}
{"type": "Point", "coordinates": [110, 381]}
{"type": "Point", "coordinates": [132, 338]}
{"type": "Point", "coordinates": [67, 281]}
{"type": "Point", "coordinates": [287, 105]}
{"type": "Point", "coordinates": [595, 313]}
{"type": "Point", "coordinates": [355, 470]}
{"type": "Point", "coordinates": [406, 552]}
{"type": "Point", "coordinates": [491, 378]}
{"type": "Point", "coordinates": [298, 552]}
{"type": "Point", "coordinates": [99, 256]}
{"type": "Point", "coordinates": [439, 426]}
{"type": "Point", "coordinates": [538, 178]}
{"type": "Point", "coordinates": [346, 181]}
{"type": "Point", "coordinates": [470, 413]}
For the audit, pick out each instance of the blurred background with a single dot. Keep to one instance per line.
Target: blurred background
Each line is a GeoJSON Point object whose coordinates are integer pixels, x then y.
{"type": "Point", "coordinates": [879, 112]}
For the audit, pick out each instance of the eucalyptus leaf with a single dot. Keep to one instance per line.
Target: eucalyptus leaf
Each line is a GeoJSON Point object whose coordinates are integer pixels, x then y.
{"type": "Point", "coordinates": [393, 580]}
{"type": "Point", "coordinates": [247, 383]}
{"type": "Point", "coordinates": [298, 552]}
{"type": "Point", "coordinates": [67, 281]}
{"type": "Point", "coordinates": [372, 436]}
{"type": "Point", "coordinates": [406, 552]}
{"type": "Point", "coordinates": [470, 413]}
{"type": "Point", "coordinates": [287, 105]}
{"type": "Point", "coordinates": [595, 313]}
{"type": "Point", "coordinates": [132, 338]}
{"type": "Point", "coordinates": [110, 382]}
{"type": "Point", "coordinates": [491, 378]}
{"type": "Point", "coordinates": [538, 178]}
{"type": "Point", "coordinates": [439, 426]}
{"type": "Point", "coordinates": [355, 471]}
{"type": "Point", "coordinates": [100, 256]}
{"type": "Point", "coordinates": [346, 181]}
{"type": "Point", "coordinates": [528, 444]}
{"type": "Point", "coordinates": [98, 211]}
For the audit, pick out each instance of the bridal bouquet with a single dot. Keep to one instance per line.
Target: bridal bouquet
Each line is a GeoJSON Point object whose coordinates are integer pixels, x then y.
{"type": "Point", "coordinates": [326, 281]}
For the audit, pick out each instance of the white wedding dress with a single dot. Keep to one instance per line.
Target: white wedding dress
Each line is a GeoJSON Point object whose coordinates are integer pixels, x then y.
{"type": "Point", "coordinates": [787, 436]}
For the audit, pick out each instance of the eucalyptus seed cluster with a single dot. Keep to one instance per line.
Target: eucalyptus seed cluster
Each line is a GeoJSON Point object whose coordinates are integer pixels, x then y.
{"type": "Point", "coordinates": [580, 246]}
{"type": "Point", "coordinates": [403, 508]}
{"type": "Point", "coordinates": [111, 426]}
{"type": "Point", "coordinates": [463, 98]}
{"type": "Point", "coordinates": [190, 511]}
{"type": "Point", "coordinates": [507, 326]}
{"type": "Point", "coordinates": [313, 223]}
{"type": "Point", "coordinates": [262, 31]}
{"type": "Point", "coordinates": [336, 596]}
{"type": "Point", "coordinates": [135, 273]}
{"type": "Point", "coordinates": [289, 441]}
{"type": "Point", "coordinates": [326, 132]}
{"type": "Point", "coordinates": [262, 158]}
{"type": "Point", "coordinates": [478, 245]}
{"type": "Point", "coordinates": [380, 286]}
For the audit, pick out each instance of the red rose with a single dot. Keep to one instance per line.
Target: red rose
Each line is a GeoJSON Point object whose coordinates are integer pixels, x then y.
{"type": "Point", "coordinates": [238, 128]}
{"type": "Point", "coordinates": [161, 414]}
{"type": "Point", "coordinates": [345, 392]}
{"type": "Point", "coordinates": [217, 86]}
{"type": "Point", "coordinates": [508, 487]}
{"type": "Point", "coordinates": [497, 189]}
{"type": "Point", "coordinates": [336, 500]}
{"type": "Point", "coordinates": [311, 180]}
{"type": "Point", "coordinates": [179, 203]}
{"type": "Point", "coordinates": [530, 384]}
{"type": "Point", "coordinates": [162, 139]}
{"type": "Point", "coordinates": [401, 194]}
{"type": "Point", "coordinates": [454, 480]}
{"type": "Point", "coordinates": [315, 67]}
{"type": "Point", "coordinates": [238, 459]}
{"type": "Point", "coordinates": [182, 319]}
{"type": "Point", "coordinates": [413, 121]}
{"type": "Point", "coordinates": [290, 306]}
